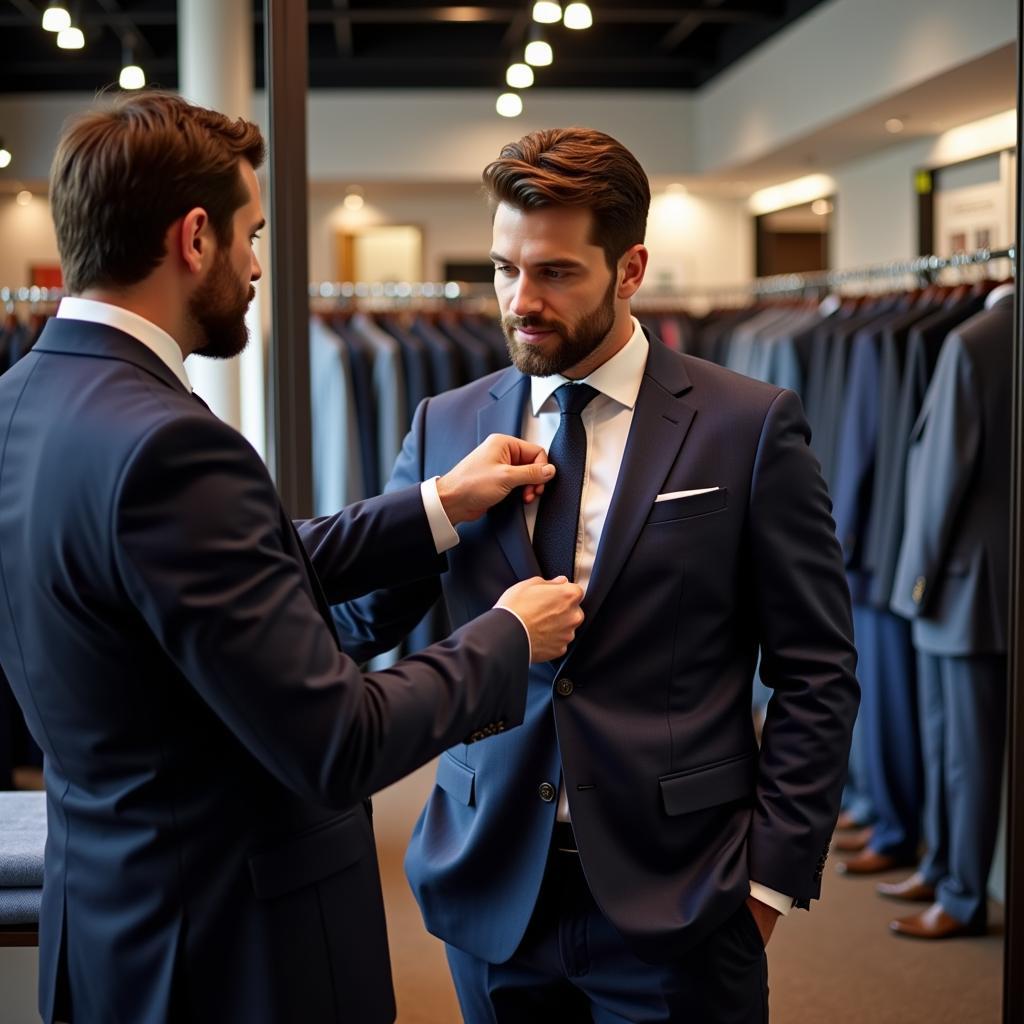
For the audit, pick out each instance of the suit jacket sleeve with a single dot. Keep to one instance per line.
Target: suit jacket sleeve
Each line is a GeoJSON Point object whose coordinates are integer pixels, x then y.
{"type": "Point", "coordinates": [377, 622]}
{"type": "Point", "coordinates": [802, 605]}
{"type": "Point", "coordinates": [208, 558]}
{"type": "Point", "coordinates": [944, 452]}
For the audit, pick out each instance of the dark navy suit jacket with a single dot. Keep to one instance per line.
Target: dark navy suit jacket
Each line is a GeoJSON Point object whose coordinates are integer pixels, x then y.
{"type": "Point", "coordinates": [208, 747]}
{"type": "Point", "coordinates": [673, 807]}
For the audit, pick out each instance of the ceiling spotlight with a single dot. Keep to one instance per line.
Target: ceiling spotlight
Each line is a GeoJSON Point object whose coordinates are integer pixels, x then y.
{"type": "Point", "coordinates": [23, 198]}
{"type": "Point", "coordinates": [70, 39]}
{"type": "Point", "coordinates": [578, 16]}
{"type": "Point", "coordinates": [547, 12]}
{"type": "Point", "coordinates": [509, 104]}
{"type": "Point", "coordinates": [821, 207]}
{"type": "Point", "coordinates": [519, 76]}
{"type": "Point", "coordinates": [132, 77]}
{"type": "Point", "coordinates": [894, 126]}
{"type": "Point", "coordinates": [354, 198]}
{"type": "Point", "coordinates": [539, 53]}
{"type": "Point", "coordinates": [56, 18]}
{"type": "Point", "coordinates": [5, 157]}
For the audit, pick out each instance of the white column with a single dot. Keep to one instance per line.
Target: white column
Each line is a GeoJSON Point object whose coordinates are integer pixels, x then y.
{"type": "Point", "coordinates": [215, 47]}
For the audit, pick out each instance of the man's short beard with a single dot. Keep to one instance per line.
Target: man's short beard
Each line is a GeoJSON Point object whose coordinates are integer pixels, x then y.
{"type": "Point", "coordinates": [576, 343]}
{"type": "Point", "coordinates": [217, 310]}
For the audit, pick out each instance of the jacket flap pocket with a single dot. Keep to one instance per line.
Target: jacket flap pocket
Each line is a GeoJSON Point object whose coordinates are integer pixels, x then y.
{"type": "Point", "coordinates": [698, 788]}
{"type": "Point", "coordinates": [311, 856]}
{"type": "Point", "coordinates": [455, 778]}
{"type": "Point", "coordinates": [692, 505]}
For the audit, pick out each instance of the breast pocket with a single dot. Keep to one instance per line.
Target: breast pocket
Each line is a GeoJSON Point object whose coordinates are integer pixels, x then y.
{"type": "Point", "coordinates": [688, 507]}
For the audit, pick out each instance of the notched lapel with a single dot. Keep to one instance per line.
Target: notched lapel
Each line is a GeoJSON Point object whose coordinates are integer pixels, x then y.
{"type": "Point", "coordinates": [505, 416]}
{"type": "Point", "coordinates": [660, 425]}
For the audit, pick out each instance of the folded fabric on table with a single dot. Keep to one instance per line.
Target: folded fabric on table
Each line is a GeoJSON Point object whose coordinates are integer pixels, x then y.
{"type": "Point", "coordinates": [22, 839]}
{"type": "Point", "coordinates": [20, 906]}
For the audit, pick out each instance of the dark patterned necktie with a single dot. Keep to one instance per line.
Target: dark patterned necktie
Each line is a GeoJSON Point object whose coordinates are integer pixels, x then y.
{"type": "Point", "coordinates": [558, 516]}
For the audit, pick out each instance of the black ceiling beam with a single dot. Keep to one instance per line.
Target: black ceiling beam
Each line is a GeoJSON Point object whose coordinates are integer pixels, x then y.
{"type": "Point", "coordinates": [127, 31]}
{"type": "Point", "coordinates": [419, 16]}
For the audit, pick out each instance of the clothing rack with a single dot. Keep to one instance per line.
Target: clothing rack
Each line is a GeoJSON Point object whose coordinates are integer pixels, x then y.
{"type": "Point", "coordinates": [827, 280]}
{"type": "Point", "coordinates": [33, 295]}
{"type": "Point", "coordinates": [450, 291]}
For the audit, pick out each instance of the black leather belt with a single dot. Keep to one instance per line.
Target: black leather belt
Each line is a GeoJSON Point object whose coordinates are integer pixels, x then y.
{"type": "Point", "coordinates": [562, 839]}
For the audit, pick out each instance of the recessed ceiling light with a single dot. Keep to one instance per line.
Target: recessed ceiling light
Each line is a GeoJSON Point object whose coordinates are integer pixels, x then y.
{"type": "Point", "coordinates": [23, 198]}
{"type": "Point", "coordinates": [547, 12]}
{"type": "Point", "coordinates": [56, 18]}
{"type": "Point", "coordinates": [894, 126]}
{"type": "Point", "coordinates": [539, 53]}
{"type": "Point", "coordinates": [578, 16]}
{"type": "Point", "coordinates": [519, 76]}
{"type": "Point", "coordinates": [70, 39]}
{"type": "Point", "coordinates": [509, 104]}
{"type": "Point", "coordinates": [821, 207]}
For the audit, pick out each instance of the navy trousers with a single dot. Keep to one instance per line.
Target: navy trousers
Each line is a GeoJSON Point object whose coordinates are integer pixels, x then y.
{"type": "Point", "coordinates": [573, 967]}
{"type": "Point", "coordinates": [963, 728]}
{"type": "Point", "coordinates": [889, 721]}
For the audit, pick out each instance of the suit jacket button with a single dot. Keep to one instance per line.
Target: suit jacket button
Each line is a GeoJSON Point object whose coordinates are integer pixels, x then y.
{"type": "Point", "coordinates": [546, 792]}
{"type": "Point", "coordinates": [564, 687]}
{"type": "Point", "coordinates": [918, 592]}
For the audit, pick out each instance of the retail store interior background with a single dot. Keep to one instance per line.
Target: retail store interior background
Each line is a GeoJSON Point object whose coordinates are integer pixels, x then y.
{"type": "Point", "coordinates": [780, 137]}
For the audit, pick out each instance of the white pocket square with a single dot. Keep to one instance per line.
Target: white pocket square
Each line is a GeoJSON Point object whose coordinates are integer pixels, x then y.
{"type": "Point", "coordinates": [672, 495]}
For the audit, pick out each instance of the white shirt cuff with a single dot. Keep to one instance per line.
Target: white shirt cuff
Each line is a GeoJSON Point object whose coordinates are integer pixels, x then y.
{"type": "Point", "coordinates": [776, 900]}
{"type": "Point", "coordinates": [529, 643]}
{"type": "Point", "coordinates": [441, 528]}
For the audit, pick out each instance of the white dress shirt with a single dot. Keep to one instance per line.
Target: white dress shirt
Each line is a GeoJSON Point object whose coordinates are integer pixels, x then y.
{"type": "Point", "coordinates": [606, 419]}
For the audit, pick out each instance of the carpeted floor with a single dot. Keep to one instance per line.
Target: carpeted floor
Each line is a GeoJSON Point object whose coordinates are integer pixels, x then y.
{"type": "Point", "coordinates": [834, 965]}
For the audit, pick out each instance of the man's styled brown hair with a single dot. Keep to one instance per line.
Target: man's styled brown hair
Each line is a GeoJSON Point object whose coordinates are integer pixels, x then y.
{"type": "Point", "coordinates": [576, 167]}
{"type": "Point", "coordinates": [124, 173]}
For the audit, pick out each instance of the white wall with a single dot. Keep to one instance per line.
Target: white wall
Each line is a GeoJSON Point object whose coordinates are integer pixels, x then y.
{"type": "Point", "coordinates": [841, 57]}
{"type": "Point", "coordinates": [448, 135]}
{"type": "Point", "coordinates": [876, 208]}
{"type": "Point", "coordinates": [455, 225]}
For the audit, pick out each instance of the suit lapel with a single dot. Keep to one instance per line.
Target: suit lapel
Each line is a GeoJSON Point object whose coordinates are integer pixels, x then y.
{"type": "Point", "coordinates": [661, 421]}
{"type": "Point", "coordinates": [505, 416]}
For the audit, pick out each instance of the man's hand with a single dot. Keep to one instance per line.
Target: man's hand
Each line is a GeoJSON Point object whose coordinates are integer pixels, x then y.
{"type": "Point", "coordinates": [764, 917]}
{"type": "Point", "coordinates": [550, 610]}
{"type": "Point", "coordinates": [489, 474]}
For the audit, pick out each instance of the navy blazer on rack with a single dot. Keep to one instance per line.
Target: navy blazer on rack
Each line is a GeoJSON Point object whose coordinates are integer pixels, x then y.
{"type": "Point", "coordinates": [648, 716]}
{"type": "Point", "coordinates": [208, 746]}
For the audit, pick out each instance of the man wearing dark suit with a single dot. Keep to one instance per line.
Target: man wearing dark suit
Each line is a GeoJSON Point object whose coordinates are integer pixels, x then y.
{"type": "Point", "coordinates": [952, 582]}
{"type": "Point", "coordinates": [166, 630]}
{"type": "Point", "coordinates": [623, 857]}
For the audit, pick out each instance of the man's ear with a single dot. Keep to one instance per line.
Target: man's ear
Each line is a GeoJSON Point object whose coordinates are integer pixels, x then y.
{"type": "Point", "coordinates": [632, 267]}
{"type": "Point", "coordinates": [192, 239]}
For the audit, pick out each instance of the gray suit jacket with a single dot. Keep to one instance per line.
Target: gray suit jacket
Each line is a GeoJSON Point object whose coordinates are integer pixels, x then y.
{"type": "Point", "coordinates": [952, 572]}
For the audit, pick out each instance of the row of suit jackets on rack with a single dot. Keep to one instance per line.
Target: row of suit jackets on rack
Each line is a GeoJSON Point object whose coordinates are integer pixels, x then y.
{"type": "Point", "coordinates": [368, 373]}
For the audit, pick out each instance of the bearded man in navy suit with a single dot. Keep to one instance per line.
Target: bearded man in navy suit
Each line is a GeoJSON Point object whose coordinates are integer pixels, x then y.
{"type": "Point", "coordinates": [624, 855]}
{"type": "Point", "coordinates": [165, 627]}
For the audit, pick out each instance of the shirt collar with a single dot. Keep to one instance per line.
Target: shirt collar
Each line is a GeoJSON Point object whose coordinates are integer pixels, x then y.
{"type": "Point", "coordinates": [156, 339]}
{"type": "Point", "coordinates": [619, 378]}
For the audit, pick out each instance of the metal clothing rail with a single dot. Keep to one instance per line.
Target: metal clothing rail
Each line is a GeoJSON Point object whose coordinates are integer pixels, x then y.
{"type": "Point", "coordinates": [450, 290]}
{"type": "Point", "coordinates": [922, 266]}
{"type": "Point", "coordinates": [34, 295]}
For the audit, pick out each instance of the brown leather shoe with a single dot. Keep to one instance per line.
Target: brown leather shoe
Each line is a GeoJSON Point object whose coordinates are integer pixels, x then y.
{"type": "Point", "coordinates": [933, 923]}
{"type": "Point", "coordinates": [853, 842]}
{"type": "Point", "coordinates": [911, 890]}
{"type": "Point", "coordinates": [847, 822]}
{"type": "Point", "coordinates": [867, 862]}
